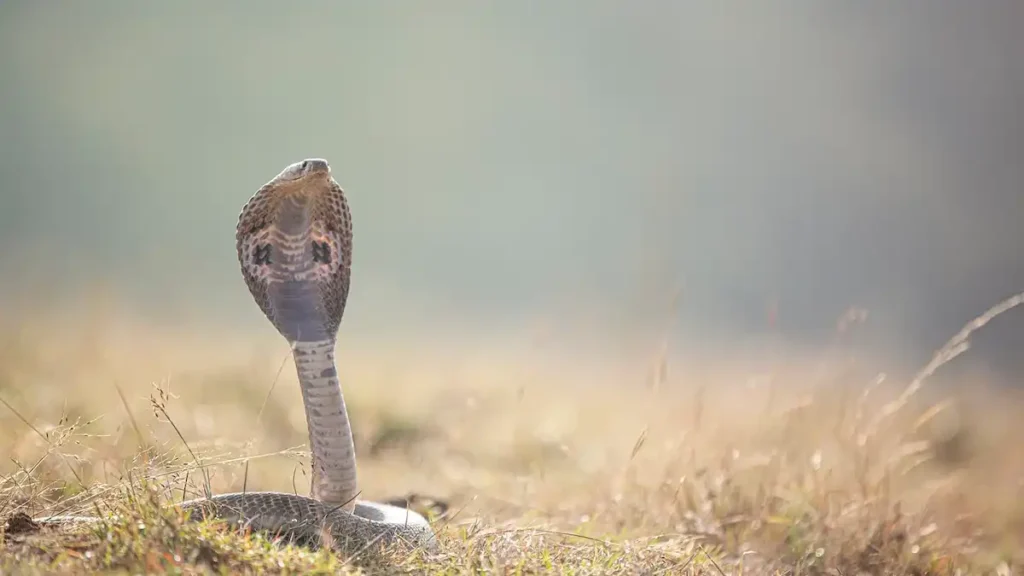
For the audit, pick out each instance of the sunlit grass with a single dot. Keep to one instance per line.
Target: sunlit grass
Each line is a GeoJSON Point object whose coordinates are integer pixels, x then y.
{"type": "Point", "coordinates": [545, 467]}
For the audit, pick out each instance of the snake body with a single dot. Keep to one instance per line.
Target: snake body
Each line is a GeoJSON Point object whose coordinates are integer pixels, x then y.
{"type": "Point", "coordinates": [294, 244]}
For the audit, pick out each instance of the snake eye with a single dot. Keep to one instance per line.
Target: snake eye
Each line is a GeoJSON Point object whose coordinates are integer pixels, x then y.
{"type": "Point", "coordinates": [304, 165]}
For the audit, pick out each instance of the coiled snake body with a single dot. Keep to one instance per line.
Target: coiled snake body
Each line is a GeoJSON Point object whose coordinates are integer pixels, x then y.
{"type": "Point", "coordinates": [294, 243]}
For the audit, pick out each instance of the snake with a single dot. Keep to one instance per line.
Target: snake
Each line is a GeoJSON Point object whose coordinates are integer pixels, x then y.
{"type": "Point", "coordinates": [294, 245]}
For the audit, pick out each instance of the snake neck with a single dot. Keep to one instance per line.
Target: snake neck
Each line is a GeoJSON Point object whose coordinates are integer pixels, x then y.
{"type": "Point", "coordinates": [330, 434]}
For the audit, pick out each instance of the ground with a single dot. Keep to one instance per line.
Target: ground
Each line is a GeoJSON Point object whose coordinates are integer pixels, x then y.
{"type": "Point", "coordinates": [528, 464]}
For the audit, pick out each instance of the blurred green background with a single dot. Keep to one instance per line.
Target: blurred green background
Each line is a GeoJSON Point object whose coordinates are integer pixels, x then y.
{"type": "Point", "coordinates": [572, 161]}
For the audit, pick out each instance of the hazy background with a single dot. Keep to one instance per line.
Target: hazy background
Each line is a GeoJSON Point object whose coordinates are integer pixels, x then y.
{"type": "Point", "coordinates": [512, 163]}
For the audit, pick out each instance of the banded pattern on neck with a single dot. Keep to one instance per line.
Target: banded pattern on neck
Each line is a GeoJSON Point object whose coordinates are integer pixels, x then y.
{"type": "Point", "coordinates": [330, 433]}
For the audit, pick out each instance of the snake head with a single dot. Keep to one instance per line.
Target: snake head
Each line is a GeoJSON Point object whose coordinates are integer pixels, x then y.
{"type": "Point", "coordinates": [306, 171]}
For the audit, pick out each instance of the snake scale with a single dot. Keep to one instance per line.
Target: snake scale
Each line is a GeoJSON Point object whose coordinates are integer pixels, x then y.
{"type": "Point", "coordinates": [294, 244]}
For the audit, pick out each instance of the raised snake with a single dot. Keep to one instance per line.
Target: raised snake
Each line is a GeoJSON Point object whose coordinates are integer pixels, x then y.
{"type": "Point", "coordinates": [294, 244]}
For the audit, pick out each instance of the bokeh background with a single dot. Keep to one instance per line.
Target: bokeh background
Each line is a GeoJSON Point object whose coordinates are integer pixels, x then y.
{"type": "Point", "coordinates": [521, 166]}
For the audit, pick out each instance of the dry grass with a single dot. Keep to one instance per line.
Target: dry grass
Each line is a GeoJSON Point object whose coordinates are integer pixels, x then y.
{"type": "Point", "coordinates": [562, 466]}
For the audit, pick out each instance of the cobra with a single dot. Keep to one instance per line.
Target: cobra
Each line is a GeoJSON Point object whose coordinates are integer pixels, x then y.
{"type": "Point", "coordinates": [294, 245]}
